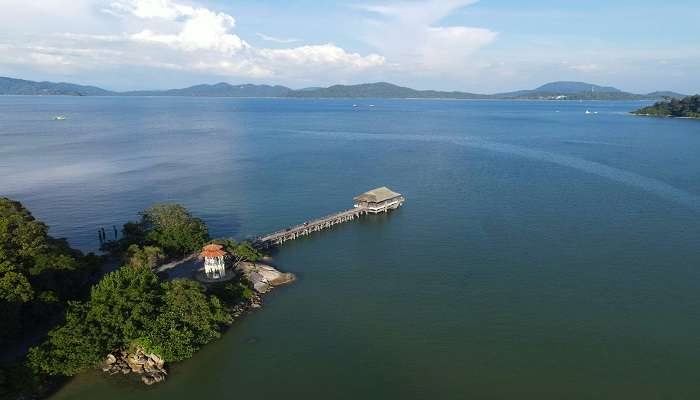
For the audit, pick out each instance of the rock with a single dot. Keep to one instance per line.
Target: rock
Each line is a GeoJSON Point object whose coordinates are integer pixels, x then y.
{"type": "Point", "coordinates": [151, 366]}
{"type": "Point", "coordinates": [138, 368]}
{"type": "Point", "coordinates": [157, 360]}
{"type": "Point", "coordinates": [262, 276]}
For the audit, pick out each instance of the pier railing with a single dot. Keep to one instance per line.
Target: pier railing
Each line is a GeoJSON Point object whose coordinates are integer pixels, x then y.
{"type": "Point", "coordinates": [295, 231]}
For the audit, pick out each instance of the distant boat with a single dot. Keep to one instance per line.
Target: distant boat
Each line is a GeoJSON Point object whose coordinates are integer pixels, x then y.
{"type": "Point", "coordinates": [354, 105]}
{"type": "Point", "coordinates": [588, 112]}
{"type": "Point", "coordinates": [371, 105]}
{"type": "Point", "coordinates": [59, 118]}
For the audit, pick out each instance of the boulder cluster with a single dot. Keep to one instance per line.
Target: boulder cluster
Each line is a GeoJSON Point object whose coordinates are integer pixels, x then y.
{"type": "Point", "coordinates": [150, 366]}
{"type": "Point", "coordinates": [262, 276]}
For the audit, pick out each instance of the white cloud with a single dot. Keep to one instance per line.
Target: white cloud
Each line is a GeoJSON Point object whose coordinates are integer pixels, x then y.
{"type": "Point", "coordinates": [164, 9]}
{"type": "Point", "coordinates": [409, 35]}
{"type": "Point", "coordinates": [175, 36]}
{"type": "Point", "coordinates": [274, 39]}
{"type": "Point", "coordinates": [326, 54]}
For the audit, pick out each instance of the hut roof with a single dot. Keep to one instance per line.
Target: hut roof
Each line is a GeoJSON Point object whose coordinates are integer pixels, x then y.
{"type": "Point", "coordinates": [377, 195]}
{"type": "Point", "coordinates": [213, 250]}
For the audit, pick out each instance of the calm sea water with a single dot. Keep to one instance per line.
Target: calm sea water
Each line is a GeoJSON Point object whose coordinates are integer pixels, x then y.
{"type": "Point", "coordinates": [541, 253]}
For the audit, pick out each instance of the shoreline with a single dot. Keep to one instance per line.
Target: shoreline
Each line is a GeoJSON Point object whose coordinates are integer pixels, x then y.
{"type": "Point", "coordinates": [662, 116]}
{"type": "Point", "coordinates": [258, 277]}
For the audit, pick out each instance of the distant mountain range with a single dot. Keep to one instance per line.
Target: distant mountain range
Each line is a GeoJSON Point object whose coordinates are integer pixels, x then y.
{"type": "Point", "coordinates": [550, 91]}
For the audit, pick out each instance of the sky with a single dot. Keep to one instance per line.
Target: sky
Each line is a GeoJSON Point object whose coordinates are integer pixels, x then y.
{"type": "Point", "coordinates": [485, 46]}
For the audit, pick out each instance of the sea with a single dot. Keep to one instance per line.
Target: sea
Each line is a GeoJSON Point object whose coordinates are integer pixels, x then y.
{"type": "Point", "coordinates": [542, 253]}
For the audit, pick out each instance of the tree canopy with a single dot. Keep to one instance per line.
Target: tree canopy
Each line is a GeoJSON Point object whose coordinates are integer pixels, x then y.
{"type": "Point", "coordinates": [38, 273]}
{"type": "Point", "coordinates": [688, 107]}
{"type": "Point", "coordinates": [174, 229]}
{"type": "Point", "coordinates": [130, 307]}
{"type": "Point", "coordinates": [239, 251]}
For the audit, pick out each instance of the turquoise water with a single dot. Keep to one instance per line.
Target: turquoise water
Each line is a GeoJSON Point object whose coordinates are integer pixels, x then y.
{"type": "Point", "coordinates": [541, 253]}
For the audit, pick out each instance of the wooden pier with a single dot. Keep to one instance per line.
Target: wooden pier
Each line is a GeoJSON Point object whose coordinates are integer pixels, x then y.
{"type": "Point", "coordinates": [375, 201]}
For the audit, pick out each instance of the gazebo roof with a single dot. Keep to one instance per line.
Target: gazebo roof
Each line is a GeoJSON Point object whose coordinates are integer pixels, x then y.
{"type": "Point", "coordinates": [213, 250]}
{"type": "Point", "coordinates": [377, 195]}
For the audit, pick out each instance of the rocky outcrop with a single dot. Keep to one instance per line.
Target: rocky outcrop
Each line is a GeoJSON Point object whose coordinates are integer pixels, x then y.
{"type": "Point", "coordinates": [262, 276]}
{"type": "Point", "coordinates": [150, 366]}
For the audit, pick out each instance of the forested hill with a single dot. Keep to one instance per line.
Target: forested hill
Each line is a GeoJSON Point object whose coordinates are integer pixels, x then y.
{"type": "Point", "coordinates": [218, 90]}
{"type": "Point", "coordinates": [23, 87]}
{"type": "Point", "coordinates": [379, 90]}
{"type": "Point", "coordinates": [688, 107]}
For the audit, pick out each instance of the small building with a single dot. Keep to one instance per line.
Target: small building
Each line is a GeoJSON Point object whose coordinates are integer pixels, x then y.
{"type": "Point", "coordinates": [214, 264]}
{"type": "Point", "coordinates": [379, 200]}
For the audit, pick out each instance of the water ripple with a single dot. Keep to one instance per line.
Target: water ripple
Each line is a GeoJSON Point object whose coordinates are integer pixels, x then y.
{"type": "Point", "coordinates": [647, 184]}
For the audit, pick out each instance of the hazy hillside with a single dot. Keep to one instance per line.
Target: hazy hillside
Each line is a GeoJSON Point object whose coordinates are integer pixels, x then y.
{"type": "Point", "coordinates": [379, 90]}
{"type": "Point", "coordinates": [566, 87]}
{"type": "Point", "coordinates": [11, 86]}
{"type": "Point", "coordinates": [218, 90]}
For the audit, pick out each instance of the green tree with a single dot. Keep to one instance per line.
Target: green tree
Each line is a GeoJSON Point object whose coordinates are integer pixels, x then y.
{"type": "Point", "coordinates": [14, 287]}
{"type": "Point", "coordinates": [38, 273]}
{"type": "Point", "coordinates": [174, 229]}
{"type": "Point", "coordinates": [239, 251]}
{"type": "Point", "coordinates": [70, 348]}
{"type": "Point", "coordinates": [146, 256]}
{"type": "Point", "coordinates": [187, 320]}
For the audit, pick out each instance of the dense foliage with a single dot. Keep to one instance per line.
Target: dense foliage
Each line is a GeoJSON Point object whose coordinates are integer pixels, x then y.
{"type": "Point", "coordinates": [688, 107]}
{"type": "Point", "coordinates": [239, 251]}
{"type": "Point", "coordinates": [38, 273]}
{"type": "Point", "coordinates": [127, 307]}
{"type": "Point", "coordinates": [164, 231]}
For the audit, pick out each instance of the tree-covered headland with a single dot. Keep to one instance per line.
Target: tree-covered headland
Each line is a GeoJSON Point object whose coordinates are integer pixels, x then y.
{"type": "Point", "coordinates": [688, 107]}
{"type": "Point", "coordinates": [128, 308]}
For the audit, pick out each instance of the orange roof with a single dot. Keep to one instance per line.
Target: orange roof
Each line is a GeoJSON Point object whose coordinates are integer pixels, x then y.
{"type": "Point", "coordinates": [213, 250]}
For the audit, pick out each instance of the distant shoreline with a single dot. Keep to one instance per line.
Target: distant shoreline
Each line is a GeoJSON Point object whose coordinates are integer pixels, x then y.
{"type": "Point", "coordinates": [662, 116]}
{"type": "Point", "coordinates": [324, 98]}
{"type": "Point", "coordinates": [560, 90]}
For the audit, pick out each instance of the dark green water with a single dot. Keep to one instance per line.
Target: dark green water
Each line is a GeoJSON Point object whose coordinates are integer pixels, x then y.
{"type": "Point", "coordinates": [541, 253]}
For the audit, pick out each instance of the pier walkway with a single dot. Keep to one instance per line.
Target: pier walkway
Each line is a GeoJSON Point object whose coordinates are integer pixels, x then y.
{"type": "Point", "coordinates": [293, 232]}
{"type": "Point", "coordinates": [375, 201]}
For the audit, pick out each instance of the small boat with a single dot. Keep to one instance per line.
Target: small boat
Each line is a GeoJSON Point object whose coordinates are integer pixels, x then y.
{"type": "Point", "coordinates": [354, 105]}
{"type": "Point", "coordinates": [59, 118]}
{"type": "Point", "coordinates": [588, 112]}
{"type": "Point", "coordinates": [371, 105]}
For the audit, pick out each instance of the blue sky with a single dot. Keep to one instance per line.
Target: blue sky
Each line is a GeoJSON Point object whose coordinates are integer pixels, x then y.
{"type": "Point", "coordinates": [480, 46]}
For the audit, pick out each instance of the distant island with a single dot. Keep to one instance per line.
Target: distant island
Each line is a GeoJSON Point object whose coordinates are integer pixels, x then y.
{"type": "Point", "coordinates": [688, 107]}
{"type": "Point", "coordinates": [380, 90]}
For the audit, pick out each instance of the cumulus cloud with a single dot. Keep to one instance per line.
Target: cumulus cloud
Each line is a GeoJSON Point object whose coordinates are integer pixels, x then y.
{"type": "Point", "coordinates": [169, 34]}
{"type": "Point", "coordinates": [408, 33]}
{"type": "Point", "coordinates": [274, 39]}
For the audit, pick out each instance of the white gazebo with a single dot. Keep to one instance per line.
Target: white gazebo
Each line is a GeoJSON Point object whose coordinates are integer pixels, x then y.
{"type": "Point", "coordinates": [214, 265]}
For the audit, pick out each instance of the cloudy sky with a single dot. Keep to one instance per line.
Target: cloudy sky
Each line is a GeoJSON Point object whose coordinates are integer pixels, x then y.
{"type": "Point", "coordinates": [479, 46]}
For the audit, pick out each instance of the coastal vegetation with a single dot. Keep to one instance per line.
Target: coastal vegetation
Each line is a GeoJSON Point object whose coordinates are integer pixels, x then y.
{"type": "Point", "coordinates": [39, 274]}
{"type": "Point", "coordinates": [688, 107]}
{"type": "Point", "coordinates": [131, 310]}
{"type": "Point", "coordinates": [127, 308]}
